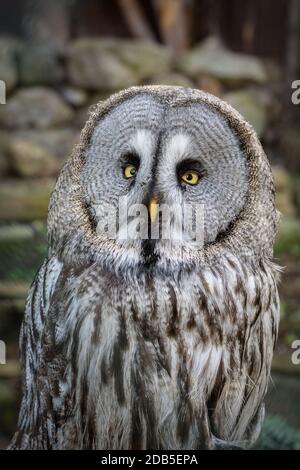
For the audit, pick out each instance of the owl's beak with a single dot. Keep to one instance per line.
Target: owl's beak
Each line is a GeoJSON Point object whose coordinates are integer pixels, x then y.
{"type": "Point", "coordinates": [153, 208]}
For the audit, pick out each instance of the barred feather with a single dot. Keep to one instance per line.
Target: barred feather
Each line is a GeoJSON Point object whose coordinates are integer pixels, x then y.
{"type": "Point", "coordinates": [164, 362]}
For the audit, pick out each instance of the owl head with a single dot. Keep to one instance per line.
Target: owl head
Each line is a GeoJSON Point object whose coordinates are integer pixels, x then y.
{"type": "Point", "coordinates": [163, 174]}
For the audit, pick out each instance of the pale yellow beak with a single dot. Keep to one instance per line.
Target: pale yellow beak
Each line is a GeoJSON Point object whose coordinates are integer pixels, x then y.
{"type": "Point", "coordinates": [153, 208]}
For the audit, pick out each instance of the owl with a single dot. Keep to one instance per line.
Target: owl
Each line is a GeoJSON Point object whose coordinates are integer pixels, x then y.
{"type": "Point", "coordinates": [166, 342]}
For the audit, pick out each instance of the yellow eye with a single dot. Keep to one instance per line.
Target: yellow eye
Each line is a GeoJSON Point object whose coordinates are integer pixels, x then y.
{"type": "Point", "coordinates": [190, 177]}
{"type": "Point", "coordinates": [130, 171]}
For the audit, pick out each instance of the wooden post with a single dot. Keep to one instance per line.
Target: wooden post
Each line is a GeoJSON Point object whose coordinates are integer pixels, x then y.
{"type": "Point", "coordinates": [174, 22]}
{"type": "Point", "coordinates": [136, 20]}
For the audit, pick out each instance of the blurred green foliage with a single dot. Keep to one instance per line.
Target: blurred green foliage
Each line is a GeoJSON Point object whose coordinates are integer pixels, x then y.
{"type": "Point", "coordinates": [277, 434]}
{"type": "Point", "coordinates": [21, 258]}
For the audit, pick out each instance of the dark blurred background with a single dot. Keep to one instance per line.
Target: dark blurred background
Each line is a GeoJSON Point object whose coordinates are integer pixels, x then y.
{"type": "Point", "coordinates": [59, 57]}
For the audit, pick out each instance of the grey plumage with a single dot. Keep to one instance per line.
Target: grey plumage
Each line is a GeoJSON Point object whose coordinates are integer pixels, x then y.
{"type": "Point", "coordinates": [169, 349]}
{"type": "Point", "coordinates": [164, 136]}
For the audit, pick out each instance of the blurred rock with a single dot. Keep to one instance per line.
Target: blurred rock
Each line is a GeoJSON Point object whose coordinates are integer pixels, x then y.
{"type": "Point", "coordinates": [4, 162]}
{"type": "Point", "coordinates": [25, 199]}
{"type": "Point", "coordinates": [56, 142]}
{"type": "Point", "coordinates": [110, 64]}
{"type": "Point", "coordinates": [172, 79]}
{"type": "Point", "coordinates": [144, 58]}
{"type": "Point", "coordinates": [82, 115]}
{"type": "Point", "coordinates": [288, 238]}
{"type": "Point", "coordinates": [210, 85]}
{"type": "Point", "coordinates": [4, 166]}
{"type": "Point", "coordinates": [74, 96]}
{"type": "Point", "coordinates": [13, 290]}
{"type": "Point", "coordinates": [8, 64]}
{"type": "Point", "coordinates": [290, 146]}
{"type": "Point", "coordinates": [211, 58]}
{"type": "Point", "coordinates": [251, 106]}
{"type": "Point", "coordinates": [11, 370]}
{"type": "Point", "coordinates": [16, 232]}
{"type": "Point", "coordinates": [29, 159]}
{"type": "Point", "coordinates": [284, 191]}
{"type": "Point", "coordinates": [35, 152]}
{"type": "Point", "coordinates": [39, 65]}
{"type": "Point", "coordinates": [37, 107]}
{"type": "Point", "coordinates": [40, 228]}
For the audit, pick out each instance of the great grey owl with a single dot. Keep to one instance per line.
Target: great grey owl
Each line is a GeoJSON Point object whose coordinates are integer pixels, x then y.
{"type": "Point", "coordinates": [154, 343]}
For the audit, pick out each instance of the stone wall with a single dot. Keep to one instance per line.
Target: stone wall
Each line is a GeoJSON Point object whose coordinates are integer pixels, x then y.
{"type": "Point", "coordinates": [48, 98]}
